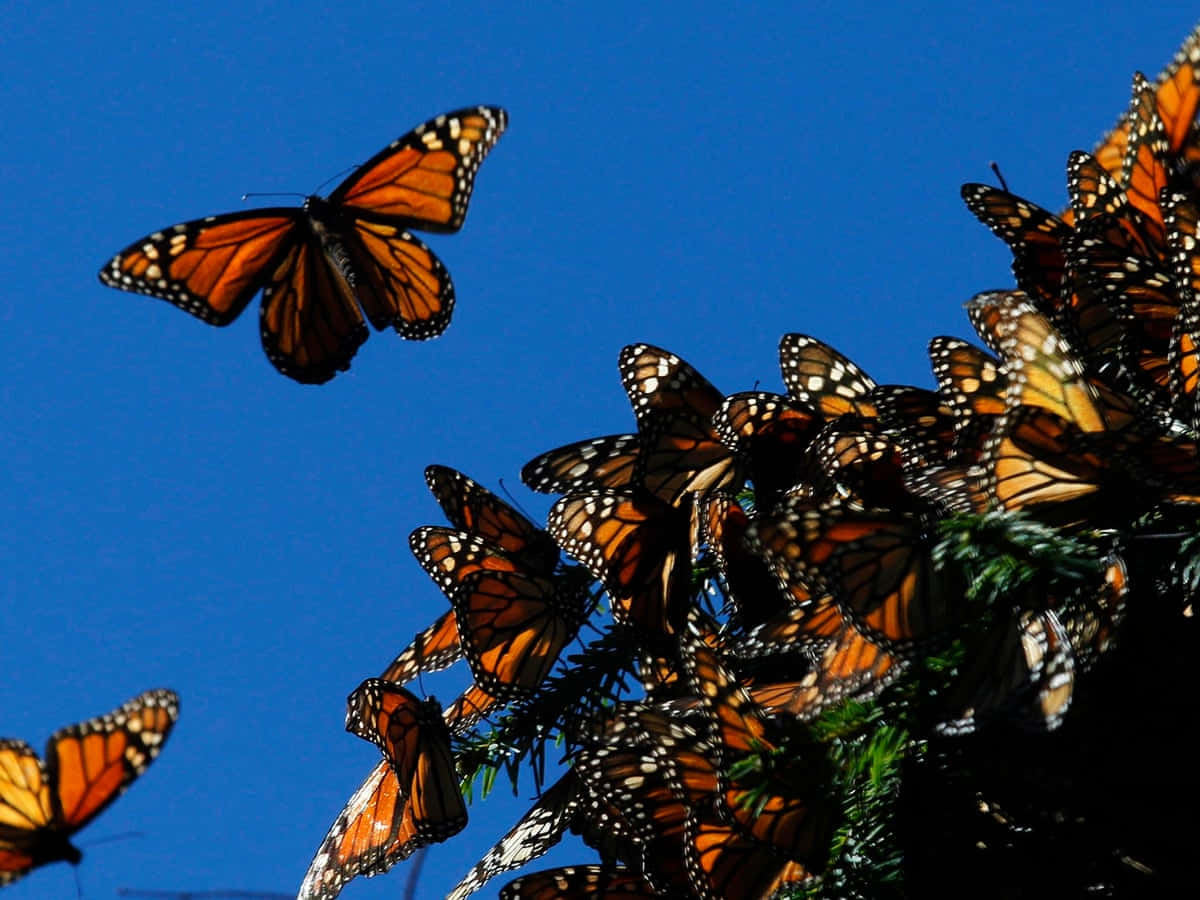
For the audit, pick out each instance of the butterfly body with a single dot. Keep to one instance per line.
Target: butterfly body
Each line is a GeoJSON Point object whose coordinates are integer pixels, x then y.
{"type": "Point", "coordinates": [325, 266]}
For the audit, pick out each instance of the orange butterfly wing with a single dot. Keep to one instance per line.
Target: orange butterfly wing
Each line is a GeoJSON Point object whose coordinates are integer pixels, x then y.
{"type": "Point", "coordinates": [87, 767]}
{"type": "Point", "coordinates": [319, 264]}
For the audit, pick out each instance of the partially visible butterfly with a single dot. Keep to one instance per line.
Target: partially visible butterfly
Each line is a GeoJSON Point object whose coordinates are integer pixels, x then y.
{"type": "Point", "coordinates": [636, 544]}
{"type": "Point", "coordinates": [674, 406]}
{"type": "Point", "coordinates": [822, 379]}
{"type": "Point", "coordinates": [595, 463]}
{"type": "Point", "coordinates": [1036, 237]}
{"type": "Point", "coordinates": [513, 626]}
{"type": "Point", "coordinates": [491, 535]}
{"type": "Point", "coordinates": [325, 265]}
{"type": "Point", "coordinates": [562, 806]}
{"type": "Point", "coordinates": [573, 882]}
{"type": "Point", "coordinates": [1177, 94]}
{"type": "Point", "coordinates": [87, 766]}
{"type": "Point", "coordinates": [410, 799]}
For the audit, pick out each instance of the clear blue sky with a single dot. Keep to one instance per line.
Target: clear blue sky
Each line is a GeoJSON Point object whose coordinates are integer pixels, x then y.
{"type": "Point", "coordinates": [178, 514]}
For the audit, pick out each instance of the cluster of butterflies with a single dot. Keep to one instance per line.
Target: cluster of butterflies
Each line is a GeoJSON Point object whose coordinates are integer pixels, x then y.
{"type": "Point", "coordinates": [325, 265]}
{"type": "Point", "coordinates": [816, 514]}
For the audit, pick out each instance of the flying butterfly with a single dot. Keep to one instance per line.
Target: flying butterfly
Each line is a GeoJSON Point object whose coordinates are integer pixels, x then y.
{"type": "Point", "coordinates": [325, 265]}
{"type": "Point", "coordinates": [86, 767]}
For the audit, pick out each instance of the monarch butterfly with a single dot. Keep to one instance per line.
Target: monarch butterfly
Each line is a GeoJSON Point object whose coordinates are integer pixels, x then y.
{"type": "Point", "coordinates": [410, 799]}
{"type": "Point", "coordinates": [770, 434]}
{"type": "Point", "coordinates": [636, 544]}
{"type": "Point", "coordinates": [1022, 669]}
{"type": "Point", "coordinates": [860, 467]}
{"type": "Point", "coordinates": [1176, 95]}
{"type": "Point", "coordinates": [318, 264]}
{"type": "Point", "coordinates": [595, 463]}
{"type": "Point", "coordinates": [474, 509]}
{"type": "Point", "coordinates": [564, 805]}
{"type": "Point", "coordinates": [823, 379]}
{"type": "Point", "coordinates": [1040, 462]}
{"type": "Point", "coordinates": [791, 814]}
{"type": "Point", "coordinates": [87, 766]}
{"type": "Point", "coordinates": [1036, 237]}
{"type": "Point", "coordinates": [876, 564]}
{"type": "Point", "coordinates": [752, 587]}
{"type": "Point", "coordinates": [374, 831]}
{"type": "Point", "coordinates": [674, 406]}
{"type": "Point", "coordinates": [493, 536]}
{"type": "Point", "coordinates": [567, 882]}
{"type": "Point", "coordinates": [1144, 173]}
{"type": "Point", "coordinates": [513, 626]}
{"type": "Point", "coordinates": [973, 386]}
{"type": "Point", "coordinates": [919, 420]}
{"type": "Point", "coordinates": [447, 556]}
{"type": "Point", "coordinates": [1182, 218]}
{"type": "Point", "coordinates": [724, 864]}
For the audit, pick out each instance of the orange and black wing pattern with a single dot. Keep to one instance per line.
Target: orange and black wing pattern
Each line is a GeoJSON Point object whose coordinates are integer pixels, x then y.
{"type": "Point", "coordinates": [474, 509]}
{"type": "Point", "coordinates": [674, 406]}
{"type": "Point", "coordinates": [324, 266]}
{"type": "Point", "coordinates": [822, 379]}
{"type": "Point", "coordinates": [410, 799]}
{"type": "Point", "coordinates": [513, 627]}
{"type": "Point", "coordinates": [579, 883]}
{"type": "Point", "coordinates": [87, 767]}
{"type": "Point", "coordinates": [637, 545]}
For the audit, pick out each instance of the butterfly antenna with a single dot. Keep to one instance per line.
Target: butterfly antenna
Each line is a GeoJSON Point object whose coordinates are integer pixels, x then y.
{"type": "Point", "coordinates": [515, 502]}
{"type": "Point", "coordinates": [247, 196]}
{"type": "Point", "coordinates": [414, 874]}
{"type": "Point", "coordinates": [78, 883]}
{"type": "Point", "coordinates": [334, 177]}
{"type": "Point", "coordinates": [119, 836]}
{"type": "Point", "coordinates": [995, 167]}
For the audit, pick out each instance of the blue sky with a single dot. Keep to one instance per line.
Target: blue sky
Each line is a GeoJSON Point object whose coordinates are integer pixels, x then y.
{"type": "Point", "coordinates": [178, 514]}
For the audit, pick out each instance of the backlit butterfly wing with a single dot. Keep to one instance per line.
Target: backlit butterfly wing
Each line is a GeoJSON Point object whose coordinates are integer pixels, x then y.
{"type": "Point", "coordinates": [1177, 94]}
{"type": "Point", "coordinates": [448, 556]}
{"type": "Point", "coordinates": [821, 378]}
{"type": "Point", "coordinates": [317, 265]}
{"type": "Point", "coordinates": [410, 799]}
{"type": "Point", "coordinates": [596, 463]}
{"type": "Point", "coordinates": [724, 864]}
{"type": "Point", "coordinates": [1182, 217]}
{"type": "Point", "coordinates": [1039, 462]}
{"type": "Point", "coordinates": [513, 627]}
{"type": "Point", "coordinates": [1144, 172]}
{"type": "Point", "coordinates": [674, 406]}
{"type": "Point", "coordinates": [971, 383]}
{"type": "Point", "coordinates": [637, 545]}
{"type": "Point", "coordinates": [1042, 368]}
{"type": "Point", "coordinates": [87, 767]}
{"type": "Point", "coordinates": [434, 648]}
{"type": "Point", "coordinates": [474, 509]}
{"type": "Point", "coordinates": [578, 882]}
{"type": "Point", "coordinates": [371, 834]}
{"type": "Point", "coordinates": [1036, 237]}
